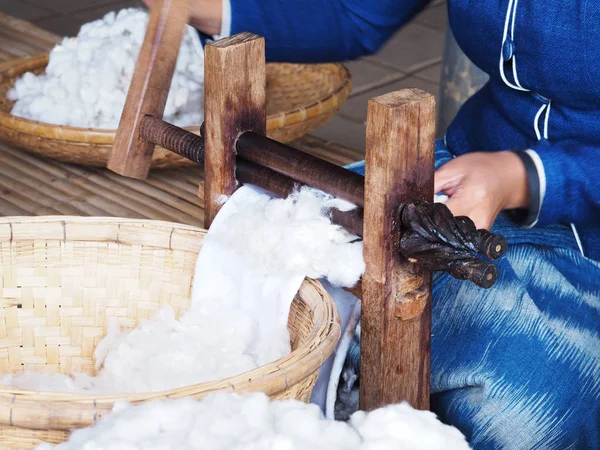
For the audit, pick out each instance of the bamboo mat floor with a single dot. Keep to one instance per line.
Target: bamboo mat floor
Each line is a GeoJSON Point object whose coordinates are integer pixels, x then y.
{"type": "Point", "coordinates": [34, 186]}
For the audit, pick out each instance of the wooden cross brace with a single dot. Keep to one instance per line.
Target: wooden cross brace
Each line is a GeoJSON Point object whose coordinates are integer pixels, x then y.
{"type": "Point", "coordinates": [405, 235]}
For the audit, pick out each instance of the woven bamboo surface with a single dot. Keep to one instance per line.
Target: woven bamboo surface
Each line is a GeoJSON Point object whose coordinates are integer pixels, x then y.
{"type": "Point", "coordinates": [63, 278]}
{"type": "Point", "coordinates": [33, 186]}
{"type": "Point", "coordinates": [300, 98]}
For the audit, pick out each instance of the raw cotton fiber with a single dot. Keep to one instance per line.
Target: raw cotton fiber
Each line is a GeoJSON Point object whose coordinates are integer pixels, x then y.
{"type": "Point", "coordinates": [290, 236]}
{"type": "Point", "coordinates": [252, 263]}
{"type": "Point", "coordinates": [225, 421]}
{"type": "Point", "coordinates": [87, 78]}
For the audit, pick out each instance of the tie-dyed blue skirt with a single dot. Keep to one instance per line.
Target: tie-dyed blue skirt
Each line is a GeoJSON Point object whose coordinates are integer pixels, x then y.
{"type": "Point", "coordinates": [518, 366]}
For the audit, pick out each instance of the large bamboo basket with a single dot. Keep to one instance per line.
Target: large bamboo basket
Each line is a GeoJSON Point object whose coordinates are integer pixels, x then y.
{"type": "Point", "coordinates": [61, 277]}
{"type": "Point", "coordinates": [300, 98]}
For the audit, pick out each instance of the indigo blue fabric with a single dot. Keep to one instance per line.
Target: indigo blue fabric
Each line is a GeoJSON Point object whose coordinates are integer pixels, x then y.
{"type": "Point", "coordinates": [551, 106]}
{"type": "Point", "coordinates": [517, 366]}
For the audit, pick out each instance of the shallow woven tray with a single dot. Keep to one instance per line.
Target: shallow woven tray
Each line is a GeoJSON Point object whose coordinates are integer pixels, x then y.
{"type": "Point", "coordinates": [61, 277]}
{"type": "Point", "coordinates": [300, 98]}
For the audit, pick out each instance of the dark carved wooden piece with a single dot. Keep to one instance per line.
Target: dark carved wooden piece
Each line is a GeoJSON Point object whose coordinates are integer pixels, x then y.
{"type": "Point", "coordinates": [433, 238]}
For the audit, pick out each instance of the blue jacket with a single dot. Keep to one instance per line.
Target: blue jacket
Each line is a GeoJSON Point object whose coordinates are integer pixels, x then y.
{"type": "Point", "coordinates": [551, 108]}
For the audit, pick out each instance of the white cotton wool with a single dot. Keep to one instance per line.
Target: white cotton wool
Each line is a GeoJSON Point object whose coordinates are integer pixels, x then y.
{"type": "Point", "coordinates": [296, 235]}
{"type": "Point", "coordinates": [252, 263]}
{"type": "Point", "coordinates": [386, 428]}
{"type": "Point", "coordinates": [227, 421]}
{"type": "Point", "coordinates": [86, 80]}
{"type": "Point", "coordinates": [161, 353]}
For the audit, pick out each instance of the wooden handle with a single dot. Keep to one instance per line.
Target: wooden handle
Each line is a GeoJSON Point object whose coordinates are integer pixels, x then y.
{"type": "Point", "coordinates": [150, 86]}
{"type": "Point", "coordinates": [434, 238]}
{"type": "Point", "coordinates": [396, 297]}
{"type": "Point", "coordinates": [492, 245]}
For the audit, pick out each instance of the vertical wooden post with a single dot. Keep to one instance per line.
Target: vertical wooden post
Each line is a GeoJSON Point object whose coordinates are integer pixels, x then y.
{"type": "Point", "coordinates": [396, 295]}
{"type": "Point", "coordinates": [150, 86]}
{"type": "Point", "coordinates": [234, 103]}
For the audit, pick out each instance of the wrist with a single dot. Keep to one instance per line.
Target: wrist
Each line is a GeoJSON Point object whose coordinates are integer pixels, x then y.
{"type": "Point", "coordinates": [207, 16]}
{"type": "Point", "coordinates": [514, 173]}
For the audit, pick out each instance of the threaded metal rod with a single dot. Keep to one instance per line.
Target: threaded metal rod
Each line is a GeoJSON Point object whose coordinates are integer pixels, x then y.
{"type": "Point", "coordinates": [173, 138]}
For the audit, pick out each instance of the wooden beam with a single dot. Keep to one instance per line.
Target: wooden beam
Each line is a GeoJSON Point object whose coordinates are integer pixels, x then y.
{"type": "Point", "coordinates": [234, 103]}
{"type": "Point", "coordinates": [150, 86]}
{"type": "Point", "coordinates": [396, 295]}
{"type": "Point", "coordinates": [302, 167]}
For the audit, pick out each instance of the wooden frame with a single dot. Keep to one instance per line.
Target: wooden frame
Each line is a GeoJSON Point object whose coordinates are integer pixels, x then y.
{"type": "Point", "coordinates": [405, 235]}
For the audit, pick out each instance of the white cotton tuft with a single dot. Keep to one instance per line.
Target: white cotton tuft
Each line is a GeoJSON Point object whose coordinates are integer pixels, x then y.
{"type": "Point", "coordinates": [387, 427]}
{"type": "Point", "coordinates": [294, 235]}
{"type": "Point", "coordinates": [161, 353]}
{"type": "Point", "coordinates": [252, 422]}
{"type": "Point", "coordinates": [86, 80]}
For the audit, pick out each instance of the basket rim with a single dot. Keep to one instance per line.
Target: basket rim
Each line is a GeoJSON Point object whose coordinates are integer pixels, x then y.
{"type": "Point", "coordinates": [297, 365]}
{"type": "Point", "coordinates": [16, 220]}
{"type": "Point", "coordinates": [276, 121]}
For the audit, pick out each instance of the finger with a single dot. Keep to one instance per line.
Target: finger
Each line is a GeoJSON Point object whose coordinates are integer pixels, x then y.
{"type": "Point", "coordinates": [479, 213]}
{"type": "Point", "coordinates": [447, 178]}
{"type": "Point", "coordinates": [481, 218]}
{"type": "Point", "coordinates": [457, 206]}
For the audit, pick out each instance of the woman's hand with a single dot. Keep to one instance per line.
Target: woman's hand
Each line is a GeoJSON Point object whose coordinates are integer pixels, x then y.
{"type": "Point", "coordinates": [481, 185]}
{"type": "Point", "coordinates": [205, 15]}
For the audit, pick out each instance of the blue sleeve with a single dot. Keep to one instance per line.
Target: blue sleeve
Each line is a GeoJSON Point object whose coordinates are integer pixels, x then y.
{"type": "Point", "coordinates": [569, 184]}
{"type": "Point", "coordinates": [315, 31]}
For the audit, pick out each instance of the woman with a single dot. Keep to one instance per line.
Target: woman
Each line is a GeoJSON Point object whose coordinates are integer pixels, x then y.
{"type": "Point", "coordinates": [516, 366]}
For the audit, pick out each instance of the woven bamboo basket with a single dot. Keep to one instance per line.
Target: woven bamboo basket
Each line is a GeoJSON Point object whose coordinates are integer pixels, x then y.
{"type": "Point", "coordinates": [300, 98]}
{"type": "Point", "coordinates": [62, 277]}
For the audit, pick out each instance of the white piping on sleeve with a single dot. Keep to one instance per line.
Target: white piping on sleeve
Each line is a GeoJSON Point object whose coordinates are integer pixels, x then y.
{"type": "Point", "coordinates": [536, 122]}
{"type": "Point", "coordinates": [547, 119]}
{"type": "Point", "coordinates": [545, 107]}
{"type": "Point", "coordinates": [539, 166]}
{"type": "Point", "coordinates": [225, 20]}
